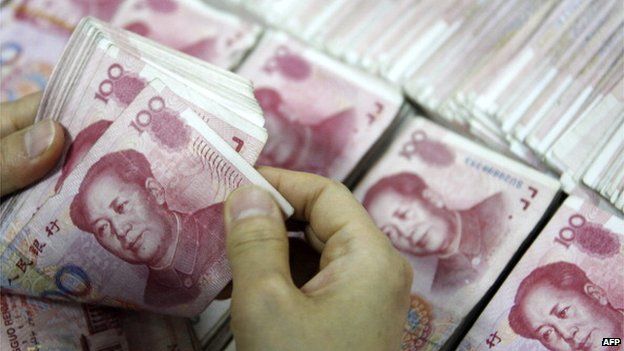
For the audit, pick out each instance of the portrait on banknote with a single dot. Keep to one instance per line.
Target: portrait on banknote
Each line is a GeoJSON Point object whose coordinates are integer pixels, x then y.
{"type": "Point", "coordinates": [419, 224]}
{"type": "Point", "coordinates": [559, 306]}
{"type": "Point", "coordinates": [311, 147]}
{"type": "Point", "coordinates": [566, 291]}
{"type": "Point", "coordinates": [457, 212]}
{"type": "Point", "coordinates": [121, 203]}
{"type": "Point", "coordinates": [321, 115]}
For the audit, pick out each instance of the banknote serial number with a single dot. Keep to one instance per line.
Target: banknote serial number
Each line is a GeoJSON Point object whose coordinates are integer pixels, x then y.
{"type": "Point", "coordinates": [494, 172]}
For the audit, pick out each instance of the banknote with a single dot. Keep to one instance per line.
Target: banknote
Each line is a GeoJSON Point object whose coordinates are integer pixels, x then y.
{"type": "Point", "coordinates": [322, 116]}
{"type": "Point", "coordinates": [566, 291]}
{"type": "Point", "coordinates": [37, 324]}
{"type": "Point", "coordinates": [191, 27]}
{"type": "Point", "coordinates": [457, 212]}
{"type": "Point", "coordinates": [516, 75]}
{"type": "Point", "coordinates": [87, 98]}
{"type": "Point", "coordinates": [34, 33]}
{"type": "Point", "coordinates": [138, 223]}
{"type": "Point", "coordinates": [64, 15]}
{"type": "Point", "coordinates": [29, 54]}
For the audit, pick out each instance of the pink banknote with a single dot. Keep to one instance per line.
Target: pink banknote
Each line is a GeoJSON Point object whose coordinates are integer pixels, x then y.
{"type": "Point", "coordinates": [138, 223]}
{"type": "Point", "coordinates": [458, 212]}
{"type": "Point", "coordinates": [63, 15]}
{"type": "Point", "coordinates": [567, 291]}
{"type": "Point", "coordinates": [110, 81]}
{"type": "Point", "coordinates": [34, 33]}
{"type": "Point", "coordinates": [28, 53]}
{"type": "Point", "coordinates": [322, 116]}
{"type": "Point", "coordinates": [35, 324]}
{"type": "Point", "coordinates": [190, 26]}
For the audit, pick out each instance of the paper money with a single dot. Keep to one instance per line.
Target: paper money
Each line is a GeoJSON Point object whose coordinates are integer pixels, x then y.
{"type": "Point", "coordinates": [458, 212]}
{"type": "Point", "coordinates": [127, 125]}
{"type": "Point", "coordinates": [566, 291]}
{"type": "Point", "coordinates": [139, 221]}
{"type": "Point", "coordinates": [36, 324]}
{"type": "Point", "coordinates": [191, 27]}
{"type": "Point", "coordinates": [322, 116]}
{"type": "Point", "coordinates": [34, 33]}
{"type": "Point", "coordinates": [517, 75]}
{"type": "Point", "coordinates": [86, 101]}
{"type": "Point", "coordinates": [29, 53]}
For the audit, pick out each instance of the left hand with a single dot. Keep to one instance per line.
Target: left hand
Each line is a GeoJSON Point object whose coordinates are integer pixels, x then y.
{"type": "Point", "coordinates": [27, 151]}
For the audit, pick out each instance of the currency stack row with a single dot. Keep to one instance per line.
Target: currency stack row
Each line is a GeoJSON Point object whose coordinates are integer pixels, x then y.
{"type": "Point", "coordinates": [540, 83]}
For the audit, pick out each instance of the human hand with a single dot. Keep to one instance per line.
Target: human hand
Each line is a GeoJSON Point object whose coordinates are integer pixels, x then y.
{"type": "Point", "coordinates": [358, 300]}
{"type": "Point", "coordinates": [27, 151]}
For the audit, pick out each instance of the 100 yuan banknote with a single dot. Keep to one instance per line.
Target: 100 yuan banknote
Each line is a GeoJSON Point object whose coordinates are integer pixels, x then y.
{"type": "Point", "coordinates": [138, 223]}
{"type": "Point", "coordinates": [322, 116]}
{"type": "Point", "coordinates": [457, 212]}
{"type": "Point", "coordinates": [567, 291]}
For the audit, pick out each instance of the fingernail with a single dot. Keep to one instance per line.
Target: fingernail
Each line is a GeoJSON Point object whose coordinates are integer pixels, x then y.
{"type": "Point", "coordinates": [39, 138]}
{"type": "Point", "coordinates": [250, 201]}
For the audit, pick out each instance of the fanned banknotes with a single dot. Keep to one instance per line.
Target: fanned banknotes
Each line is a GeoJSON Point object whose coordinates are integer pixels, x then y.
{"type": "Point", "coordinates": [566, 291]}
{"type": "Point", "coordinates": [458, 212]}
{"type": "Point", "coordinates": [134, 216]}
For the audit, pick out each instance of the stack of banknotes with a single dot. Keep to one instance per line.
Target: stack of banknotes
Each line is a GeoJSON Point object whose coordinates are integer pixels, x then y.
{"type": "Point", "coordinates": [541, 81]}
{"type": "Point", "coordinates": [566, 291]}
{"type": "Point", "coordinates": [133, 216]}
{"type": "Point", "coordinates": [34, 33]}
{"type": "Point", "coordinates": [36, 324]}
{"type": "Point", "coordinates": [458, 212]}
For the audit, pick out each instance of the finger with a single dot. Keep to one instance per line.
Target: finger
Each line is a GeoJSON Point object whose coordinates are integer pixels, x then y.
{"type": "Point", "coordinates": [257, 244]}
{"type": "Point", "coordinates": [19, 114]}
{"type": "Point", "coordinates": [327, 205]}
{"type": "Point", "coordinates": [28, 154]}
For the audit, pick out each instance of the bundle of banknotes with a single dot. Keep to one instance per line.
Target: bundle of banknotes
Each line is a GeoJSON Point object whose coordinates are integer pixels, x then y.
{"type": "Point", "coordinates": [34, 33]}
{"type": "Point", "coordinates": [566, 291]}
{"type": "Point", "coordinates": [458, 212]}
{"type": "Point", "coordinates": [35, 324]}
{"type": "Point", "coordinates": [133, 216]}
{"type": "Point", "coordinates": [541, 81]}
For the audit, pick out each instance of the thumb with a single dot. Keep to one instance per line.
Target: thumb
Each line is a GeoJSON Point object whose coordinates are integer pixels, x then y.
{"type": "Point", "coordinates": [257, 244]}
{"type": "Point", "coordinates": [28, 154]}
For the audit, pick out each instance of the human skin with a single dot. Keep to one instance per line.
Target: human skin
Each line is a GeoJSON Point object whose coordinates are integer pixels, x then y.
{"type": "Point", "coordinates": [410, 225]}
{"type": "Point", "coordinates": [359, 299]}
{"type": "Point", "coordinates": [27, 151]}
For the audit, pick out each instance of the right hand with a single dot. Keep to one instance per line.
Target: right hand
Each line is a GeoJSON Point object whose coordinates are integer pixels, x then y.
{"type": "Point", "coordinates": [358, 301]}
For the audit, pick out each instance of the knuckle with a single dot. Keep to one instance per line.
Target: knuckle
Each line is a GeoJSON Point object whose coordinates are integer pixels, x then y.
{"type": "Point", "coordinates": [250, 232]}
{"type": "Point", "coordinates": [337, 186]}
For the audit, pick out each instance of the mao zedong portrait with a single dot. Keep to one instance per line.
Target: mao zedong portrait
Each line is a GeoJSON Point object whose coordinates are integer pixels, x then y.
{"type": "Point", "coordinates": [560, 307]}
{"type": "Point", "coordinates": [121, 203]}
{"type": "Point", "coordinates": [418, 222]}
{"type": "Point", "coordinates": [297, 146]}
